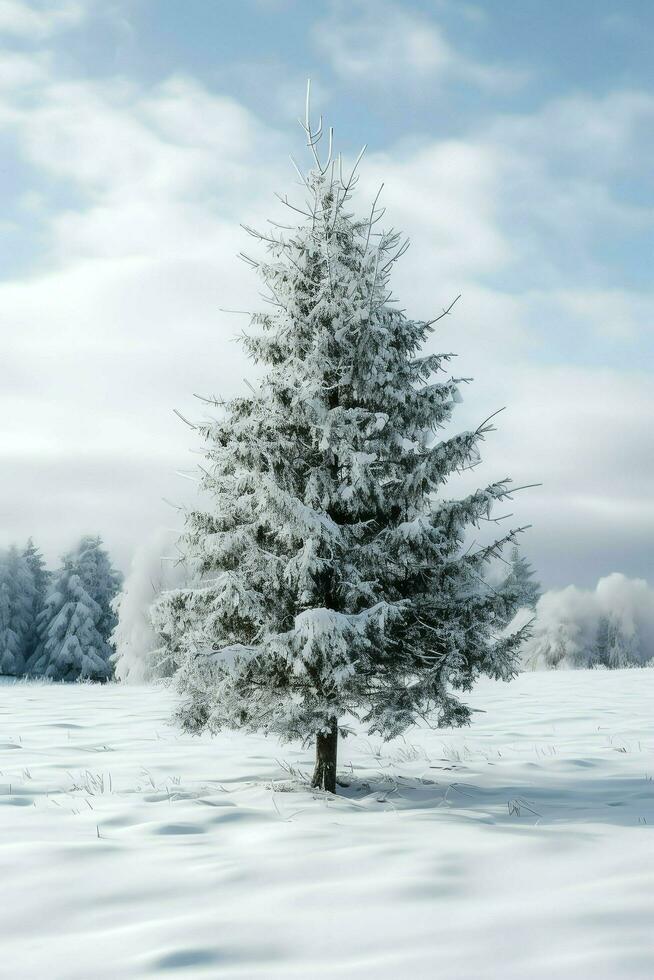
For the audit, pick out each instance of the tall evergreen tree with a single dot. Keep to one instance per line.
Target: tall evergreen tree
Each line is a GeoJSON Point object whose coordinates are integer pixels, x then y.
{"type": "Point", "coordinates": [41, 578]}
{"type": "Point", "coordinates": [10, 652]}
{"type": "Point", "coordinates": [334, 582]}
{"type": "Point", "coordinates": [77, 619]}
{"type": "Point", "coordinates": [17, 597]}
{"type": "Point", "coordinates": [520, 581]}
{"type": "Point", "coordinates": [11, 647]}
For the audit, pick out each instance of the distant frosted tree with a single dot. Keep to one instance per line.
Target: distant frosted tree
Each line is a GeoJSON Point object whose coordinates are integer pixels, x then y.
{"type": "Point", "coordinates": [100, 579]}
{"type": "Point", "coordinates": [610, 626]}
{"type": "Point", "coordinates": [40, 578]}
{"type": "Point", "coordinates": [618, 644]}
{"type": "Point", "coordinates": [334, 581]}
{"type": "Point", "coordinates": [11, 661]}
{"type": "Point", "coordinates": [601, 653]}
{"type": "Point", "coordinates": [11, 642]}
{"type": "Point", "coordinates": [141, 654]}
{"type": "Point", "coordinates": [17, 600]}
{"type": "Point", "coordinates": [520, 581]}
{"type": "Point", "coordinates": [556, 644]}
{"type": "Point", "coordinates": [77, 619]}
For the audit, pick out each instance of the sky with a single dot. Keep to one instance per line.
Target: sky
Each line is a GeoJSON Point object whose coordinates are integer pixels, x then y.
{"type": "Point", "coordinates": [515, 144]}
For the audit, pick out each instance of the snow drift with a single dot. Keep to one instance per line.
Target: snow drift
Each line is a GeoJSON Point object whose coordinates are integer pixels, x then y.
{"type": "Point", "coordinates": [519, 847]}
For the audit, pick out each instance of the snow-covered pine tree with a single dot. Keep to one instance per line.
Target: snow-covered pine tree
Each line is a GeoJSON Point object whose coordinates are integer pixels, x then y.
{"type": "Point", "coordinates": [77, 618]}
{"type": "Point", "coordinates": [520, 581]}
{"type": "Point", "coordinates": [17, 598]}
{"type": "Point", "coordinates": [334, 581]}
{"type": "Point", "coordinates": [41, 578]}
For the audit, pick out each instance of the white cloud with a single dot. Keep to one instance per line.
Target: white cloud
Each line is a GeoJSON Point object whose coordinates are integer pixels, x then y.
{"type": "Point", "coordinates": [19, 71]}
{"type": "Point", "coordinates": [113, 140]}
{"type": "Point", "coordinates": [615, 314]}
{"type": "Point", "coordinates": [564, 171]}
{"type": "Point", "coordinates": [602, 134]}
{"type": "Point", "coordinates": [385, 45]}
{"type": "Point", "coordinates": [446, 193]}
{"type": "Point", "coordinates": [585, 434]}
{"type": "Point", "coordinates": [123, 323]}
{"type": "Point", "coordinates": [34, 21]}
{"type": "Point", "coordinates": [574, 422]}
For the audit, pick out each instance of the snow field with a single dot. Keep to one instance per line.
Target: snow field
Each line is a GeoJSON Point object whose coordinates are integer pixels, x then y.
{"type": "Point", "coordinates": [519, 847]}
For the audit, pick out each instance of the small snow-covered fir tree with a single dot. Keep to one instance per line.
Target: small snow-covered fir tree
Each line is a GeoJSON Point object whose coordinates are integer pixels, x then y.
{"type": "Point", "coordinates": [334, 582]}
{"type": "Point", "coordinates": [520, 581]}
{"type": "Point", "coordinates": [17, 604]}
{"type": "Point", "coordinates": [77, 618]}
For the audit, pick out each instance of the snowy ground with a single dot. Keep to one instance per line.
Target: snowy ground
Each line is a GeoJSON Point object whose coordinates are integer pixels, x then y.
{"type": "Point", "coordinates": [521, 847]}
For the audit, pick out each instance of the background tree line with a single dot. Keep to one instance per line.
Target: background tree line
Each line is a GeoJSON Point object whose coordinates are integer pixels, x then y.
{"type": "Point", "coordinates": [57, 624]}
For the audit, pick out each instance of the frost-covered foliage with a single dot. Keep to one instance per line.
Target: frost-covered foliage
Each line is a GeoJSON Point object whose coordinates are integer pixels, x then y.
{"type": "Point", "coordinates": [610, 626]}
{"type": "Point", "coordinates": [520, 580]}
{"type": "Point", "coordinates": [333, 579]}
{"type": "Point", "coordinates": [17, 603]}
{"type": "Point", "coordinates": [77, 618]}
{"type": "Point", "coordinates": [140, 653]}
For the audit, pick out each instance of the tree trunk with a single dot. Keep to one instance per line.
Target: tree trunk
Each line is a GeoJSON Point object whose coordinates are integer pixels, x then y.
{"type": "Point", "coordinates": [324, 775]}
